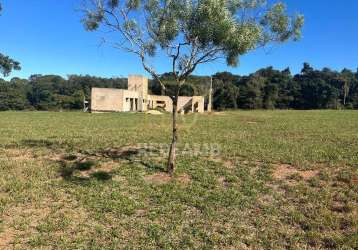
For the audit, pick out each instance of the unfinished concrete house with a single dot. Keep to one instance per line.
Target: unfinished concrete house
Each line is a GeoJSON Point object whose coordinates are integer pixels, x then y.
{"type": "Point", "coordinates": [137, 99]}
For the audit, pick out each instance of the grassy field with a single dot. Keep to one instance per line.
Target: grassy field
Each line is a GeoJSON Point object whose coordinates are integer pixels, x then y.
{"type": "Point", "coordinates": [280, 180]}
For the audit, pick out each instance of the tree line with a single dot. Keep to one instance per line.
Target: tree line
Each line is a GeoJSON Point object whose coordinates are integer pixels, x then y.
{"type": "Point", "coordinates": [52, 92]}
{"type": "Point", "coordinates": [267, 88]}
{"type": "Point", "coordinates": [274, 89]}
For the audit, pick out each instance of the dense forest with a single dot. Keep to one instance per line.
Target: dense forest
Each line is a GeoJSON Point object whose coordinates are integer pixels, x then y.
{"type": "Point", "coordinates": [265, 89]}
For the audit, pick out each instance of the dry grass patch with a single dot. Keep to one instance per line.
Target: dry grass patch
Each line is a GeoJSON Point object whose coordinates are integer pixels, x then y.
{"type": "Point", "coordinates": [16, 154]}
{"type": "Point", "coordinates": [25, 223]}
{"type": "Point", "coordinates": [21, 220]}
{"type": "Point", "coordinates": [163, 178]}
{"type": "Point", "coordinates": [158, 178]}
{"type": "Point", "coordinates": [227, 163]}
{"type": "Point", "coordinates": [183, 179]}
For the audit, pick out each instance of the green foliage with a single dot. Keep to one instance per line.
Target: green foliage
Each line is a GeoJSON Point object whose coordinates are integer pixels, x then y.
{"type": "Point", "coordinates": [320, 89]}
{"type": "Point", "coordinates": [7, 65]}
{"type": "Point", "coordinates": [193, 32]}
{"type": "Point", "coordinates": [312, 89]}
{"type": "Point", "coordinates": [251, 92]}
{"type": "Point", "coordinates": [13, 95]}
{"type": "Point", "coordinates": [225, 95]}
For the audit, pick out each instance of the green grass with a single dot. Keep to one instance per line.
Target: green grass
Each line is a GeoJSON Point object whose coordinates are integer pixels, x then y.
{"type": "Point", "coordinates": [281, 180]}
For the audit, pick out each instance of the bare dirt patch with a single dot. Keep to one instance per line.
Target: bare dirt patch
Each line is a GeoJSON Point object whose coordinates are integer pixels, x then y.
{"type": "Point", "coordinates": [283, 171]}
{"type": "Point", "coordinates": [158, 178]}
{"type": "Point", "coordinates": [306, 175]}
{"type": "Point", "coordinates": [141, 213]}
{"type": "Point", "coordinates": [184, 179]}
{"type": "Point", "coordinates": [6, 238]}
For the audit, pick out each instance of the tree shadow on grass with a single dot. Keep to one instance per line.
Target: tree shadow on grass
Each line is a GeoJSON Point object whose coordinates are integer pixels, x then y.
{"type": "Point", "coordinates": [84, 163]}
{"type": "Point", "coordinates": [44, 143]}
{"type": "Point", "coordinates": [133, 155]}
{"type": "Point", "coordinates": [81, 166]}
{"type": "Point", "coordinates": [68, 172]}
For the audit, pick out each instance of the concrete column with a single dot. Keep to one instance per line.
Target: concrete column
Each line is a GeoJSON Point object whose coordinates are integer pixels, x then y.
{"type": "Point", "coordinates": [210, 104]}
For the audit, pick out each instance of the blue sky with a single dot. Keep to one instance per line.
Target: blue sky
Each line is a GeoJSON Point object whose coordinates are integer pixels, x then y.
{"type": "Point", "coordinates": [46, 36]}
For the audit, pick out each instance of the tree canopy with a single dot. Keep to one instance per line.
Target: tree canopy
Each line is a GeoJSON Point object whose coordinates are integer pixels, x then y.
{"type": "Point", "coordinates": [192, 32]}
{"type": "Point", "coordinates": [7, 65]}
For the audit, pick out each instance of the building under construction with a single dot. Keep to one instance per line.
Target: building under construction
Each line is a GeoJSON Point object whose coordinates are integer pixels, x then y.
{"type": "Point", "coordinates": [137, 99]}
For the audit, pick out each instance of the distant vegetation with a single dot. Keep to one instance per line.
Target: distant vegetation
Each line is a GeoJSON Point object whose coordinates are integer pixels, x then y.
{"type": "Point", "coordinates": [265, 89]}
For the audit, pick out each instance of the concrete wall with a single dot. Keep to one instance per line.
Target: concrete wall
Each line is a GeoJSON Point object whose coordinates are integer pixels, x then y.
{"type": "Point", "coordinates": [139, 84]}
{"type": "Point", "coordinates": [184, 102]}
{"type": "Point", "coordinates": [155, 101]}
{"type": "Point", "coordinates": [128, 97]}
{"type": "Point", "coordinates": [103, 99]}
{"type": "Point", "coordinates": [191, 104]}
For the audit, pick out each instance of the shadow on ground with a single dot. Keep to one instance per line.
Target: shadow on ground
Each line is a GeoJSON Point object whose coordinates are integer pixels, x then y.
{"type": "Point", "coordinates": [41, 143]}
{"type": "Point", "coordinates": [85, 165]}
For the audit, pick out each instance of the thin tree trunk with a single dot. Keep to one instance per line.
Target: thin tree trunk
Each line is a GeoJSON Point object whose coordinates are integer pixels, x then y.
{"type": "Point", "coordinates": [172, 151]}
{"type": "Point", "coordinates": [346, 91]}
